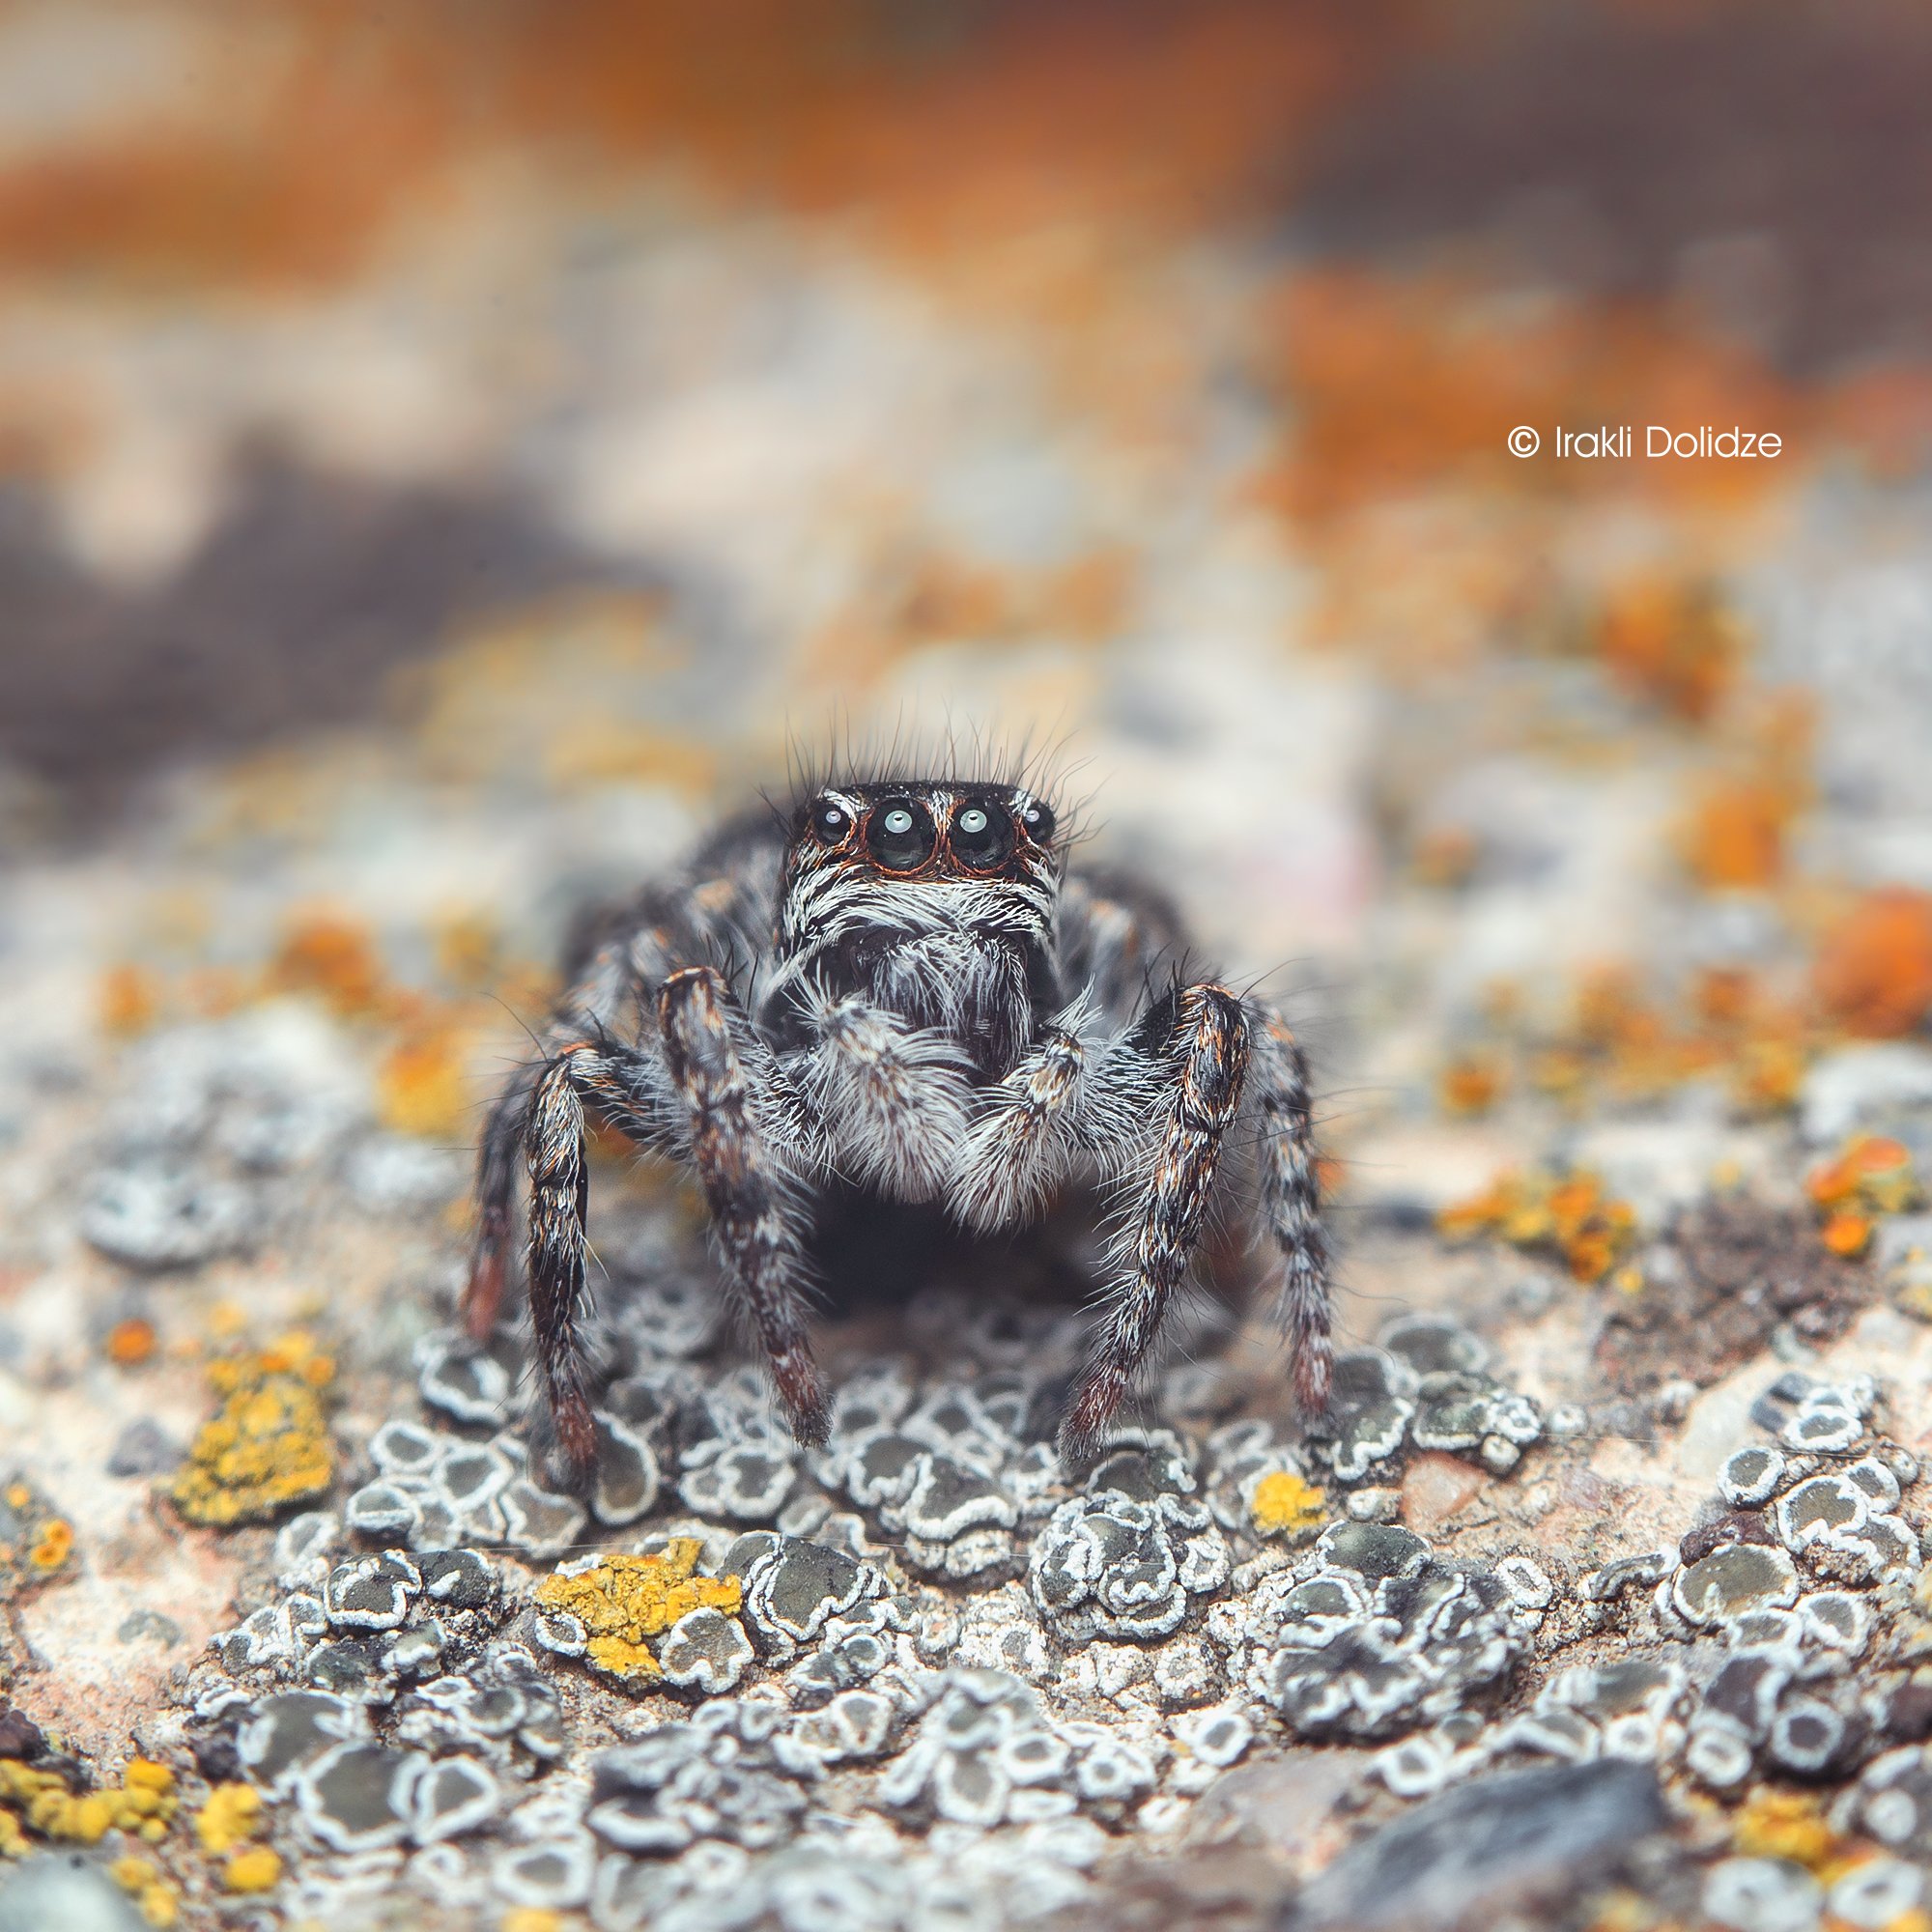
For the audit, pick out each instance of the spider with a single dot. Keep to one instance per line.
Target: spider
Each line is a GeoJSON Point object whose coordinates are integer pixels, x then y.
{"type": "Point", "coordinates": [898, 984]}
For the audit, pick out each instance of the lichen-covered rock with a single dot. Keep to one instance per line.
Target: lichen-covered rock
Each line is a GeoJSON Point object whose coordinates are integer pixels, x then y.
{"type": "Point", "coordinates": [1371, 1635]}
{"type": "Point", "coordinates": [267, 1448]}
{"type": "Point", "coordinates": [604, 1607]}
{"type": "Point", "coordinates": [1106, 1565]}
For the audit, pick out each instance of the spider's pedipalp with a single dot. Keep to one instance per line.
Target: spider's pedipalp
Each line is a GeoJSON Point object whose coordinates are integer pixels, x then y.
{"type": "Point", "coordinates": [893, 1097]}
{"type": "Point", "coordinates": [1025, 1136]}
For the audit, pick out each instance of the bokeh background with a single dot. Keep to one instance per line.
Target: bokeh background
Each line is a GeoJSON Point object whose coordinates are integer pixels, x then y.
{"type": "Point", "coordinates": [448, 451]}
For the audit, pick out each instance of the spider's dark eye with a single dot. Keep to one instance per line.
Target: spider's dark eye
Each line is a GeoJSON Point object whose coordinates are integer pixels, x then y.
{"type": "Point", "coordinates": [900, 833]}
{"type": "Point", "coordinates": [1039, 822]}
{"type": "Point", "coordinates": [983, 835]}
{"type": "Point", "coordinates": [831, 822]}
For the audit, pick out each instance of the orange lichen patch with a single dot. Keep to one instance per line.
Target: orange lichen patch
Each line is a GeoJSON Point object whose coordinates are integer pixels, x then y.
{"type": "Point", "coordinates": [1734, 838]}
{"type": "Point", "coordinates": [266, 1447]}
{"type": "Point", "coordinates": [1470, 1083]}
{"type": "Point", "coordinates": [1284, 1505]}
{"type": "Point", "coordinates": [1847, 1234]}
{"type": "Point", "coordinates": [128, 1002]}
{"type": "Point", "coordinates": [1566, 1214]}
{"type": "Point", "coordinates": [231, 1816]}
{"type": "Point", "coordinates": [623, 1599]}
{"type": "Point", "coordinates": [1872, 1174]}
{"type": "Point", "coordinates": [1873, 973]}
{"type": "Point", "coordinates": [1621, 1043]}
{"type": "Point", "coordinates": [1673, 644]}
{"type": "Point", "coordinates": [422, 1086]}
{"type": "Point", "coordinates": [41, 1802]}
{"type": "Point", "coordinates": [1723, 997]}
{"type": "Point", "coordinates": [131, 1343]}
{"type": "Point", "coordinates": [332, 957]}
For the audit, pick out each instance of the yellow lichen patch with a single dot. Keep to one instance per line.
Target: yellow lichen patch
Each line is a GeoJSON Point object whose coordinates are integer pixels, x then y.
{"type": "Point", "coordinates": [267, 1445]}
{"type": "Point", "coordinates": [1285, 1504]}
{"type": "Point", "coordinates": [142, 1803]}
{"type": "Point", "coordinates": [158, 1901]}
{"type": "Point", "coordinates": [231, 1816]}
{"type": "Point", "coordinates": [257, 1869]}
{"type": "Point", "coordinates": [1785, 1825]}
{"type": "Point", "coordinates": [622, 1600]}
{"type": "Point", "coordinates": [423, 1085]}
{"type": "Point", "coordinates": [531, 1918]}
{"type": "Point", "coordinates": [54, 1547]}
{"type": "Point", "coordinates": [1567, 1215]}
{"type": "Point", "coordinates": [36, 1541]}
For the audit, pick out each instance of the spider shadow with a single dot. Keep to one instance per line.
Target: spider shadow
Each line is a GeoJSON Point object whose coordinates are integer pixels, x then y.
{"type": "Point", "coordinates": [878, 1261]}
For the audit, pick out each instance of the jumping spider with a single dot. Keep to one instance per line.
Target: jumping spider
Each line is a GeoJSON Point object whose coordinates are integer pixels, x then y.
{"type": "Point", "coordinates": [901, 986]}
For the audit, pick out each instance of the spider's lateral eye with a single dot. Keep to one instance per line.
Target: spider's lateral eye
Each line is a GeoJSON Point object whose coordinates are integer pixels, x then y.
{"type": "Point", "coordinates": [1039, 821]}
{"type": "Point", "coordinates": [831, 823]}
{"type": "Point", "coordinates": [982, 833]}
{"type": "Point", "coordinates": [900, 833]}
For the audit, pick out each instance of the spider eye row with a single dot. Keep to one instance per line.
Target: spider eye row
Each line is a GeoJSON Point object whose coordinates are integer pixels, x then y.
{"type": "Point", "coordinates": [901, 833]}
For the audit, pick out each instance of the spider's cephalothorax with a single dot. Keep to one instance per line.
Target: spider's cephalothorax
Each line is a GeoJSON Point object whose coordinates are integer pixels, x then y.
{"type": "Point", "coordinates": [900, 987]}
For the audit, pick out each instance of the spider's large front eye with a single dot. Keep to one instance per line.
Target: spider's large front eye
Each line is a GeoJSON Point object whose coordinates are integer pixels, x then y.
{"type": "Point", "coordinates": [983, 835]}
{"type": "Point", "coordinates": [900, 833]}
{"type": "Point", "coordinates": [831, 822]}
{"type": "Point", "coordinates": [1038, 819]}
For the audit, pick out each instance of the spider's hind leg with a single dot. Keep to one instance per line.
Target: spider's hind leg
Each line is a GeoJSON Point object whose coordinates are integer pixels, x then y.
{"type": "Point", "coordinates": [1290, 1188]}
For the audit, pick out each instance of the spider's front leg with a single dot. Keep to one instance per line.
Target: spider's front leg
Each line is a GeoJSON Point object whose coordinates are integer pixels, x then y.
{"type": "Point", "coordinates": [624, 1089]}
{"type": "Point", "coordinates": [754, 1211]}
{"type": "Point", "coordinates": [1197, 1043]}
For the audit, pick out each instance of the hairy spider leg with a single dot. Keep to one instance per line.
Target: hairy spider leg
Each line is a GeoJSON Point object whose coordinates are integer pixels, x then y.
{"type": "Point", "coordinates": [758, 1222]}
{"type": "Point", "coordinates": [1203, 1031]}
{"type": "Point", "coordinates": [1291, 1188]}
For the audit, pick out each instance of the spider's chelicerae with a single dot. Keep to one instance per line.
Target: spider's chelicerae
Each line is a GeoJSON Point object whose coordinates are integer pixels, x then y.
{"type": "Point", "coordinates": [903, 986]}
